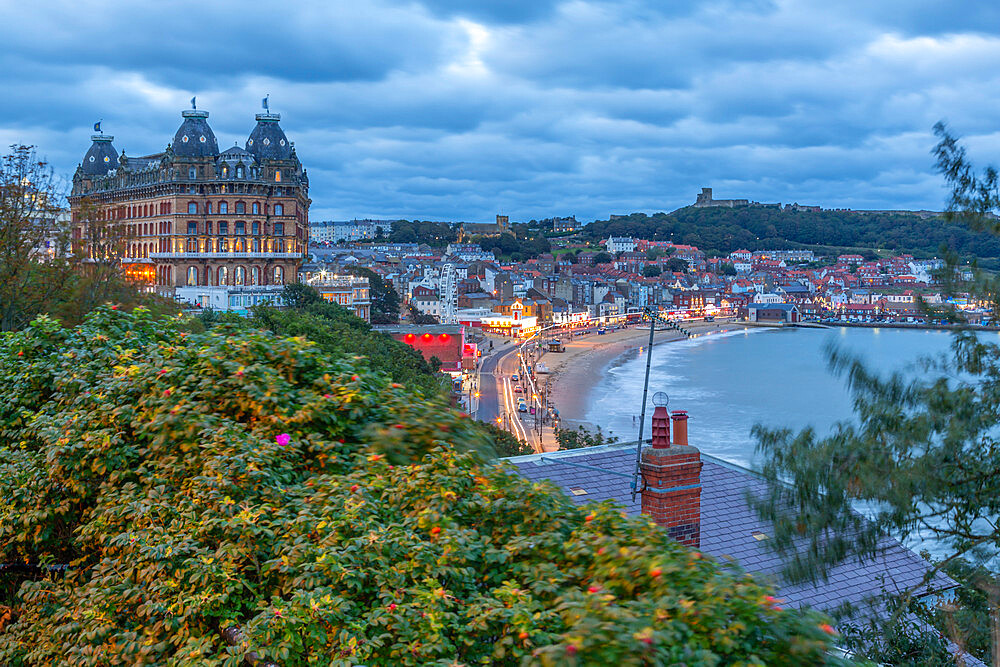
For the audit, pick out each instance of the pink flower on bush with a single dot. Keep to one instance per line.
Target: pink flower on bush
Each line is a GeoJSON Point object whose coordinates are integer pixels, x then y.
{"type": "Point", "coordinates": [283, 439]}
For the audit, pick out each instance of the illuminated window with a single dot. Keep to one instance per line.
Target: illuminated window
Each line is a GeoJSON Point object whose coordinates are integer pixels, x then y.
{"type": "Point", "coordinates": [192, 277]}
{"type": "Point", "coordinates": [279, 275]}
{"type": "Point", "coordinates": [223, 275]}
{"type": "Point", "coordinates": [277, 175]}
{"type": "Point", "coordinates": [225, 171]}
{"type": "Point", "coordinates": [240, 275]}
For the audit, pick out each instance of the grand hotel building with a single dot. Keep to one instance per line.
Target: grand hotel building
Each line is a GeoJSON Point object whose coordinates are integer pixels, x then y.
{"type": "Point", "coordinates": [197, 216]}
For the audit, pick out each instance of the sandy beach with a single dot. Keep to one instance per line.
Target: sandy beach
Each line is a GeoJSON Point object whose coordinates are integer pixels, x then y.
{"type": "Point", "coordinates": [574, 373]}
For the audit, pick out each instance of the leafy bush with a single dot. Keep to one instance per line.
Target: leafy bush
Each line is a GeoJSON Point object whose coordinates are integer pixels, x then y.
{"type": "Point", "coordinates": [194, 481]}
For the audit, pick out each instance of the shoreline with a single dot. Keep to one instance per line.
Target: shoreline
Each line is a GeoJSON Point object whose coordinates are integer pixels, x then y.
{"type": "Point", "coordinates": [574, 374]}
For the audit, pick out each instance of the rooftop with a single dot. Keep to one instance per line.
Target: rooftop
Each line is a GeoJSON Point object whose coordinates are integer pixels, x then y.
{"type": "Point", "coordinates": [730, 529]}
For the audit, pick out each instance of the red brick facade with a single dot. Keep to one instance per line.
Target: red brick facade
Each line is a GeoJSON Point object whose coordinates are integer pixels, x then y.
{"type": "Point", "coordinates": [671, 492]}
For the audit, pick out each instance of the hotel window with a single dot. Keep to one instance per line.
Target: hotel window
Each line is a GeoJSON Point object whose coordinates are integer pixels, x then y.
{"type": "Point", "coordinates": [223, 228]}
{"type": "Point", "coordinates": [208, 227]}
{"type": "Point", "coordinates": [279, 229]}
{"type": "Point", "coordinates": [240, 275]}
{"type": "Point", "coordinates": [239, 172]}
{"type": "Point", "coordinates": [241, 208]}
{"type": "Point", "coordinates": [277, 176]}
{"type": "Point", "coordinates": [279, 209]}
{"type": "Point", "coordinates": [208, 207]}
{"type": "Point", "coordinates": [192, 276]}
{"type": "Point", "coordinates": [223, 207]}
{"type": "Point", "coordinates": [279, 275]}
{"type": "Point", "coordinates": [255, 208]}
{"type": "Point", "coordinates": [192, 207]}
{"type": "Point", "coordinates": [255, 227]}
{"type": "Point", "coordinates": [241, 228]}
{"type": "Point", "coordinates": [225, 171]}
{"type": "Point", "coordinates": [192, 173]}
{"type": "Point", "coordinates": [192, 228]}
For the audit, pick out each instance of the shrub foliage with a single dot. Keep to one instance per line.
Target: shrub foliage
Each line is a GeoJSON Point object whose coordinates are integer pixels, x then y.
{"type": "Point", "coordinates": [196, 481]}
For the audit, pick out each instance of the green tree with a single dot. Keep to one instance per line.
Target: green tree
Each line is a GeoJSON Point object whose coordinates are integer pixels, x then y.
{"type": "Point", "coordinates": [651, 270]}
{"type": "Point", "coordinates": [676, 265]}
{"type": "Point", "coordinates": [30, 277]}
{"type": "Point", "coordinates": [384, 298]}
{"type": "Point", "coordinates": [235, 484]}
{"type": "Point", "coordinates": [569, 438]}
{"type": "Point", "coordinates": [603, 258]}
{"type": "Point", "coordinates": [921, 456]}
{"type": "Point", "coordinates": [727, 269]}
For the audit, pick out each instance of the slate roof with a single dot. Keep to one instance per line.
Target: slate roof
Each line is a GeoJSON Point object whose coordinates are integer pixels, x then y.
{"type": "Point", "coordinates": [728, 524]}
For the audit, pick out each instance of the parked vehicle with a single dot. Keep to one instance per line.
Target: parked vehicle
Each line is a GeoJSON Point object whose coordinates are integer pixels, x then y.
{"type": "Point", "coordinates": [602, 331]}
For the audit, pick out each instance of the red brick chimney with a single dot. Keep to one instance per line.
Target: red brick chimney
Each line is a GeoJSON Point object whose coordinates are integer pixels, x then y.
{"type": "Point", "coordinates": [671, 474]}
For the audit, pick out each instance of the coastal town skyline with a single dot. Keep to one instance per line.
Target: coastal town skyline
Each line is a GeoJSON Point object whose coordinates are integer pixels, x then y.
{"type": "Point", "coordinates": [435, 111]}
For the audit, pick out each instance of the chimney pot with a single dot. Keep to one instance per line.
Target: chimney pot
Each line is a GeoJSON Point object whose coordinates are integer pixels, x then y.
{"type": "Point", "coordinates": [680, 418]}
{"type": "Point", "coordinates": [660, 432]}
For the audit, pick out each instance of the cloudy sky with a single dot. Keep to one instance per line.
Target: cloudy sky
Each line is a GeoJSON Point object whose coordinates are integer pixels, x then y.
{"type": "Point", "coordinates": [532, 108]}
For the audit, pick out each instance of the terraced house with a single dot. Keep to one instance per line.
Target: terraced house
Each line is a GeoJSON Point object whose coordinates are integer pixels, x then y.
{"type": "Point", "coordinates": [194, 215]}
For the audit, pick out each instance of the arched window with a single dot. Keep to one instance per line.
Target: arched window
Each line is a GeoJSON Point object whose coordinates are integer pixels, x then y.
{"type": "Point", "coordinates": [208, 207]}
{"type": "Point", "coordinates": [279, 209]}
{"type": "Point", "coordinates": [223, 207]}
{"type": "Point", "coordinates": [277, 176]}
{"type": "Point", "coordinates": [192, 279]}
{"type": "Point", "coordinates": [254, 275]}
{"type": "Point", "coordinates": [255, 227]}
{"type": "Point", "coordinates": [208, 275]}
{"type": "Point", "coordinates": [192, 207]}
{"type": "Point", "coordinates": [241, 208]}
{"type": "Point", "coordinates": [223, 275]}
{"type": "Point", "coordinates": [240, 275]}
{"type": "Point", "coordinates": [255, 208]}
{"type": "Point", "coordinates": [279, 275]}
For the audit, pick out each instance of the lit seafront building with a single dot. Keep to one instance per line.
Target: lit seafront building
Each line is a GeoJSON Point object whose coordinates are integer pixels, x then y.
{"type": "Point", "coordinates": [194, 217]}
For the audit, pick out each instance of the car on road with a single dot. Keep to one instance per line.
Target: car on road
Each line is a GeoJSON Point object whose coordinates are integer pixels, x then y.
{"type": "Point", "coordinates": [513, 378]}
{"type": "Point", "coordinates": [517, 389]}
{"type": "Point", "coordinates": [522, 407]}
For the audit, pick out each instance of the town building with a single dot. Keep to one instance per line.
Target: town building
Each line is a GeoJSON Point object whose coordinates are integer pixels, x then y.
{"type": "Point", "coordinates": [193, 215]}
{"type": "Point", "coordinates": [348, 231]}
{"type": "Point", "coordinates": [616, 244]}
{"type": "Point", "coordinates": [468, 230]}
{"type": "Point", "coordinates": [351, 292]}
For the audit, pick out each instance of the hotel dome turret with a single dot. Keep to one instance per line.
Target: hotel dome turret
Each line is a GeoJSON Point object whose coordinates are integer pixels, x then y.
{"type": "Point", "coordinates": [194, 138]}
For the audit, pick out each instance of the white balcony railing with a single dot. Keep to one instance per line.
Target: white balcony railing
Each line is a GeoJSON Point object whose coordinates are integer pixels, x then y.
{"type": "Point", "coordinates": [225, 255]}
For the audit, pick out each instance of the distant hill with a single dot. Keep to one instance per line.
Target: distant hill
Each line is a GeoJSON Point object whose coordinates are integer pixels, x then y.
{"type": "Point", "coordinates": [719, 231]}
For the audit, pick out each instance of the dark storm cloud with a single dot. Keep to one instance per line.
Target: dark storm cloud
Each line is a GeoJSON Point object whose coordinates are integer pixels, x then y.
{"type": "Point", "coordinates": [447, 109]}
